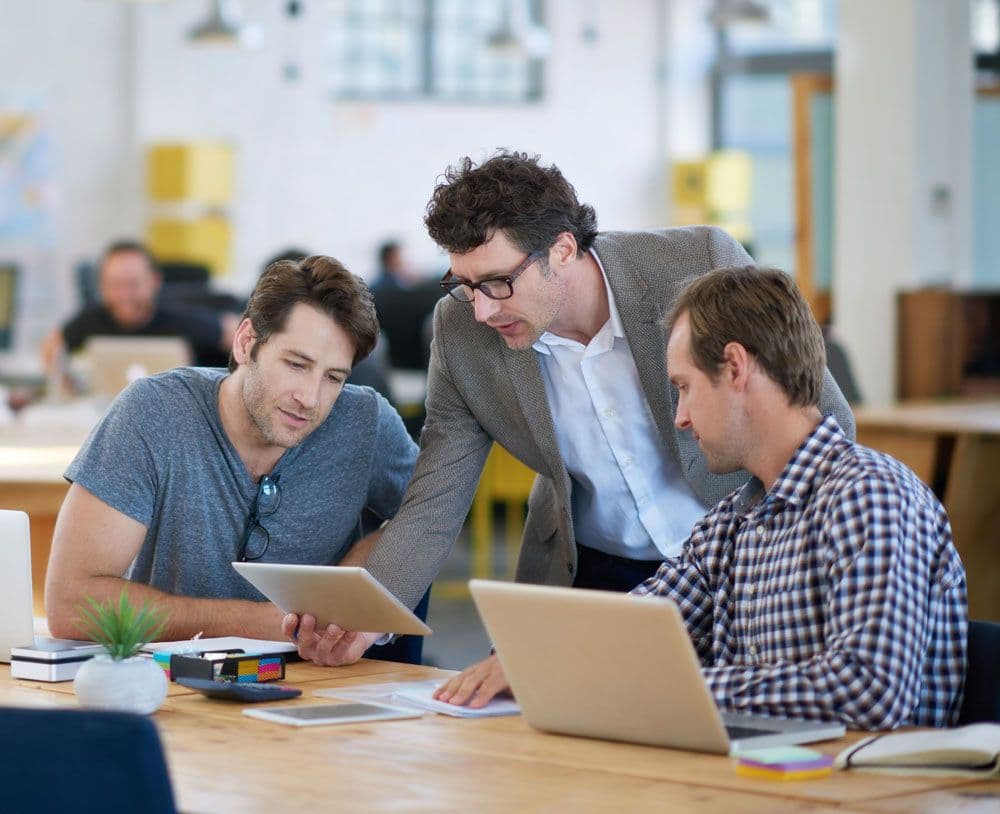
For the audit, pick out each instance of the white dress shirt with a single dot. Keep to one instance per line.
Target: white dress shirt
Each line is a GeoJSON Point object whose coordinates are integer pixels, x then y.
{"type": "Point", "coordinates": [629, 497]}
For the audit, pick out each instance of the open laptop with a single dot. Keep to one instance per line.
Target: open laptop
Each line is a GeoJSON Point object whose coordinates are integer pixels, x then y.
{"type": "Point", "coordinates": [115, 361]}
{"type": "Point", "coordinates": [17, 617]}
{"type": "Point", "coordinates": [608, 665]}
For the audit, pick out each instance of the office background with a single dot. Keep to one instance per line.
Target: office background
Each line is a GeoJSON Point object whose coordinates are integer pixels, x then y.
{"type": "Point", "coordinates": [621, 90]}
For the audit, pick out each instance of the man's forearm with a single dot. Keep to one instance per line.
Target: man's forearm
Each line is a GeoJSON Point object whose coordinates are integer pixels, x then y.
{"type": "Point", "coordinates": [839, 685]}
{"type": "Point", "coordinates": [186, 616]}
{"type": "Point", "coordinates": [358, 554]}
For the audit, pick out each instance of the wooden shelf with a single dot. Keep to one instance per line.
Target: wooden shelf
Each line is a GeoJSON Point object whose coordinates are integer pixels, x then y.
{"type": "Point", "coordinates": [948, 343]}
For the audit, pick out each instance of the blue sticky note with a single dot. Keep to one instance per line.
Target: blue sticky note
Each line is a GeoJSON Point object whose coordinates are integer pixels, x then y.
{"type": "Point", "coordinates": [779, 754]}
{"type": "Point", "coordinates": [787, 758]}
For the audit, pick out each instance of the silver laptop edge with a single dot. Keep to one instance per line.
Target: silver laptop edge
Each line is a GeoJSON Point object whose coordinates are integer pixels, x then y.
{"type": "Point", "coordinates": [17, 620]}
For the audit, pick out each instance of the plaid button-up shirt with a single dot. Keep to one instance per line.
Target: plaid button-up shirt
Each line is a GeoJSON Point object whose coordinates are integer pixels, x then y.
{"type": "Point", "coordinates": [836, 595]}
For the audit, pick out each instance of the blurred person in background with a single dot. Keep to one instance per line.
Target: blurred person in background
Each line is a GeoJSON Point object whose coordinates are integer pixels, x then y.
{"type": "Point", "coordinates": [129, 286]}
{"type": "Point", "coordinates": [394, 272]}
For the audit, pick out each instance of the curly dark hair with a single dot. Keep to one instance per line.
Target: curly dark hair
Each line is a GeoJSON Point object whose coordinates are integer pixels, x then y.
{"type": "Point", "coordinates": [321, 282]}
{"type": "Point", "coordinates": [512, 192]}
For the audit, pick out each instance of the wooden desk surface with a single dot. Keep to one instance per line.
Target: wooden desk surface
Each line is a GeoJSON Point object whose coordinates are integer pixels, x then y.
{"type": "Point", "coordinates": [35, 457]}
{"type": "Point", "coordinates": [32, 462]}
{"type": "Point", "coordinates": [222, 761]}
{"type": "Point", "coordinates": [956, 416]}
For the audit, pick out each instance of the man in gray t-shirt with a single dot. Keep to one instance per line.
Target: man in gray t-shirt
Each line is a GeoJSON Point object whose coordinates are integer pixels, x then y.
{"type": "Point", "coordinates": [275, 460]}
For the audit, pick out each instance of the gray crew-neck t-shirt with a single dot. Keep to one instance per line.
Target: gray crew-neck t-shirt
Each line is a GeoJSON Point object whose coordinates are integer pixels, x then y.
{"type": "Point", "coordinates": [161, 456]}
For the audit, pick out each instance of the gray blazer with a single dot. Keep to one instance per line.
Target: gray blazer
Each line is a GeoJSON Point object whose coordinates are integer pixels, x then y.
{"type": "Point", "coordinates": [479, 391]}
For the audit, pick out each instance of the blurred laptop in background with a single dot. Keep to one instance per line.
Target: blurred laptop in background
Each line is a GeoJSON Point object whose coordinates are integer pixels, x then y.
{"type": "Point", "coordinates": [113, 362]}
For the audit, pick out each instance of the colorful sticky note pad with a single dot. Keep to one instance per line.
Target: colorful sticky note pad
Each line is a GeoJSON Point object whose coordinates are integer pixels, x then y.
{"type": "Point", "coordinates": [783, 763]}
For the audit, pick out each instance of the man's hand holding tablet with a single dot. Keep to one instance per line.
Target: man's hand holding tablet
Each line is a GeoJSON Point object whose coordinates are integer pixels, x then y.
{"type": "Point", "coordinates": [331, 647]}
{"type": "Point", "coordinates": [327, 605]}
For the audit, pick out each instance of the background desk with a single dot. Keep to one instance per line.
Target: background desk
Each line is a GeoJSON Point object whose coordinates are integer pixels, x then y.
{"type": "Point", "coordinates": [32, 462]}
{"type": "Point", "coordinates": [222, 761]}
{"type": "Point", "coordinates": [954, 447]}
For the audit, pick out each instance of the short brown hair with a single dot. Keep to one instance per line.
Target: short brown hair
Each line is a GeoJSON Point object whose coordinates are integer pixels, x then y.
{"type": "Point", "coordinates": [512, 192]}
{"type": "Point", "coordinates": [321, 282]}
{"type": "Point", "coordinates": [762, 310]}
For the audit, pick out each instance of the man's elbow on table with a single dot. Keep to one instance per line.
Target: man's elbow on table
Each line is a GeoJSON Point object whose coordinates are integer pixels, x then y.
{"type": "Point", "coordinates": [62, 610]}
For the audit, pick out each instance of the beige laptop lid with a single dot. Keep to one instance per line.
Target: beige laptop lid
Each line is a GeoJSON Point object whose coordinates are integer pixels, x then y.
{"type": "Point", "coordinates": [115, 361]}
{"type": "Point", "coordinates": [601, 665]}
{"type": "Point", "coordinates": [16, 620]}
{"type": "Point", "coordinates": [620, 667]}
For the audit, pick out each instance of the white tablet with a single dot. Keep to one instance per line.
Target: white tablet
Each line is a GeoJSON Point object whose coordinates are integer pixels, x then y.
{"type": "Point", "coordinates": [330, 714]}
{"type": "Point", "coordinates": [344, 595]}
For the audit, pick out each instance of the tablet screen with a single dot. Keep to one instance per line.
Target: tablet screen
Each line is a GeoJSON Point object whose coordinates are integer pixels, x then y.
{"type": "Point", "coordinates": [331, 714]}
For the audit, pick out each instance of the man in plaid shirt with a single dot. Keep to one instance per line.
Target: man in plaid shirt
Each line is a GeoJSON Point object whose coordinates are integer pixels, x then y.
{"type": "Point", "coordinates": [828, 587]}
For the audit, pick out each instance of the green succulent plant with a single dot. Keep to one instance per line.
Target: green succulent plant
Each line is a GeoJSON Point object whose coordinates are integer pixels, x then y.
{"type": "Point", "coordinates": [121, 627]}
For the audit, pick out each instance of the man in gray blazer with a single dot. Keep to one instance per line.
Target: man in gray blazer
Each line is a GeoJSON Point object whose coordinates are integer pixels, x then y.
{"type": "Point", "coordinates": [550, 345]}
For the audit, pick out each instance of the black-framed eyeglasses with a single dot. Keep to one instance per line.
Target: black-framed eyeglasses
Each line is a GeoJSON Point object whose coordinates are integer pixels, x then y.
{"type": "Point", "coordinates": [257, 538]}
{"type": "Point", "coordinates": [496, 288]}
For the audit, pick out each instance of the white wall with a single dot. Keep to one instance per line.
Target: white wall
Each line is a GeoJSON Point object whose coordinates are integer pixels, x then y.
{"type": "Point", "coordinates": [338, 177]}
{"type": "Point", "coordinates": [690, 51]}
{"type": "Point", "coordinates": [903, 131]}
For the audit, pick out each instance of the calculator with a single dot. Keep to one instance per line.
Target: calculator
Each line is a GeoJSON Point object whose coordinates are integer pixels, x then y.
{"type": "Point", "coordinates": [249, 691]}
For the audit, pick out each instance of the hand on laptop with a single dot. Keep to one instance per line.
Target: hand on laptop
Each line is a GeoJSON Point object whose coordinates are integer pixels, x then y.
{"type": "Point", "coordinates": [333, 647]}
{"type": "Point", "coordinates": [475, 686]}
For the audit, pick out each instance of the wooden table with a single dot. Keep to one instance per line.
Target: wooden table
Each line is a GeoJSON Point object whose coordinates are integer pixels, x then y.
{"type": "Point", "coordinates": [954, 447]}
{"type": "Point", "coordinates": [222, 761]}
{"type": "Point", "coordinates": [32, 462]}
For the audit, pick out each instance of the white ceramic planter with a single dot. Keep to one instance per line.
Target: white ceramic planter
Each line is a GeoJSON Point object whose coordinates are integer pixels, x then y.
{"type": "Point", "coordinates": [137, 684]}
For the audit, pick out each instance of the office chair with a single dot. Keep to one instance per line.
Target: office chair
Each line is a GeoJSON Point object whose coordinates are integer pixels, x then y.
{"type": "Point", "coordinates": [72, 760]}
{"type": "Point", "coordinates": [981, 702]}
{"type": "Point", "coordinates": [189, 285]}
{"type": "Point", "coordinates": [840, 368]}
{"type": "Point", "coordinates": [402, 314]}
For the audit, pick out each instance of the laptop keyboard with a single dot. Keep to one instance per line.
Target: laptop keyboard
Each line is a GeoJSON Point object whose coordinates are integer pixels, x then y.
{"type": "Point", "coordinates": [739, 732]}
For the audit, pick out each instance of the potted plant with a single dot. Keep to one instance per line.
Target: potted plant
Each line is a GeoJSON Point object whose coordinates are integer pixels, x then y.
{"type": "Point", "coordinates": [121, 679]}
